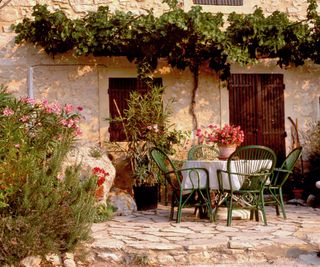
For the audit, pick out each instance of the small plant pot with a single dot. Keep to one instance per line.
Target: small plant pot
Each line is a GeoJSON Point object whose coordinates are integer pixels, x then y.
{"type": "Point", "coordinates": [226, 150]}
{"type": "Point", "coordinates": [297, 193]}
{"type": "Point", "coordinates": [146, 197]}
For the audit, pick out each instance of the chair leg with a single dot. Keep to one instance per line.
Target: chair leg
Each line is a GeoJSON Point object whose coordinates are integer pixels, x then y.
{"type": "Point", "coordinates": [277, 210]}
{"type": "Point", "coordinates": [276, 200]}
{"type": "Point", "coordinates": [264, 217]}
{"type": "Point", "coordinates": [209, 205]}
{"type": "Point", "coordinates": [229, 216]}
{"type": "Point", "coordinates": [282, 204]}
{"type": "Point", "coordinates": [219, 200]}
{"type": "Point", "coordinates": [195, 210]}
{"type": "Point", "coordinates": [256, 214]}
{"type": "Point", "coordinates": [216, 206]}
{"type": "Point", "coordinates": [179, 209]}
{"type": "Point", "coordinates": [251, 214]}
{"type": "Point", "coordinates": [173, 197]}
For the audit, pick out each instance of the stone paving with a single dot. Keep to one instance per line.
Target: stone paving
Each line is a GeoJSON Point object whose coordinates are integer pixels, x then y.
{"type": "Point", "coordinates": [149, 239]}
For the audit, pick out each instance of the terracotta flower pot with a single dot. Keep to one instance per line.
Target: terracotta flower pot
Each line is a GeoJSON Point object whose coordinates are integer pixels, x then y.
{"type": "Point", "coordinates": [226, 150]}
{"type": "Point", "coordinates": [297, 193]}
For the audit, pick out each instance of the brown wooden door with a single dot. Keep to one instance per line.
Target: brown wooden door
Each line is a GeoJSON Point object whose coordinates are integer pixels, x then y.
{"type": "Point", "coordinates": [256, 103]}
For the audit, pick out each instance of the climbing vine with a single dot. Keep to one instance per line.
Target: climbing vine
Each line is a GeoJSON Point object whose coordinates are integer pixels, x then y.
{"type": "Point", "coordinates": [185, 39]}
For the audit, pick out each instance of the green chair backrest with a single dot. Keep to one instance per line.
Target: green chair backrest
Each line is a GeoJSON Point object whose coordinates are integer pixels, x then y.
{"type": "Point", "coordinates": [252, 164]}
{"type": "Point", "coordinates": [166, 166]}
{"type": "Point", "coordinates": [202, 151]}
{"type": "Point", "coordinates": [280, 177]}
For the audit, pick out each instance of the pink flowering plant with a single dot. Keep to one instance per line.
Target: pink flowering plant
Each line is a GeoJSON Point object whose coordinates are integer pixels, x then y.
{"type": "Point", "coordinates": [34, 134]}
{"type": "Point", "coordinates": [35, 137]}
{"type": "Point", "coordinates": [227, 135]}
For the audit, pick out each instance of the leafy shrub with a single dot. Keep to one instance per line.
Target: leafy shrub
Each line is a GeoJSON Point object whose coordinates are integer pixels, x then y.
{"type": "Point", "coordinates": [96, 152]}
{"type": "Point", "coordinates": [312, 144]}
{"type": "Point", "coordinates": [312, 149]}
{"type": "Point", "coordinates": [146, 123]}
{"type": "Point", "coordinates": [104, 212]}
{"type": "Point", "coordinates": [40, 212]}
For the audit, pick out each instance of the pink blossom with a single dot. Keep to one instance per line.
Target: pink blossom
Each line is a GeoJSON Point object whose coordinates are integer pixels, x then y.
{"type": "Point", "coordinates": [28, 100]}
{"type": "Point", "coordinates": [155, 127]}
{"type": "Point", "coordinates": [68, 108]}
{"type": "Point", "coordinates": [79, 108]}
{"type": "Point", "coordinates": [228, 134]}
{"type": "Point", "coordinates": [56, 108]}
{"type": "Point", "coordinates": [24, 118]}
{"type": "Point", "coordinates": [64, 122]}
{"type": "Point", "coordinates": [70, 123]}
{"type": "Point", "coordinates": [51, 108]}
{"type": "Point", "coordinates": [60, 177]}
{"type": "Point", "coordinates": [78, 132]}
{"type": "Point", "coordinates": [7, 111]}
{"type": "Point", "coordinates": [45, 103]}
{"type": "Point", "coordinates": [17, 145]}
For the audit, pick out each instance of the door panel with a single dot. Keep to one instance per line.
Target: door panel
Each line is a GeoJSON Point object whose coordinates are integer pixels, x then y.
{"type": "Point", "coordinates": [256, 103]}
{"type": "Point", "coordinates": [273, 132]}
{"type": "Point", "coordinates": [242, 105]}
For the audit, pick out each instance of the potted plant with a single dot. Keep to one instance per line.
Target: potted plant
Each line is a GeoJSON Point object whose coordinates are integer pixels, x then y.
{"type": "Point", "coordinates": [227, 138]}
{"type": "Point", "coordinates": [146, 124]}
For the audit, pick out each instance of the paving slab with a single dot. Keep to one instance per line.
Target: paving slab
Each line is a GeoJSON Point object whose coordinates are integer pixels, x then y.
{"type": "Point", "coordinates": [150, 239]}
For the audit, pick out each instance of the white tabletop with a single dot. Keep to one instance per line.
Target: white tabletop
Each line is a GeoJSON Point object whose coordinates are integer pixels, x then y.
{"type": "Point", "coordinates": [212, 166]}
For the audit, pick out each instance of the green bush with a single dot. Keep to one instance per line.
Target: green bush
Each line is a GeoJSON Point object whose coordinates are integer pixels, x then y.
{"type": "Point", "coordinates": [146, 123]}
{"type": "Point", "coordinates": [40, 213]}
{"type": "Point", "coordinates": [104, 212]}
{"type": "Point", "coordinates": [312, 147]}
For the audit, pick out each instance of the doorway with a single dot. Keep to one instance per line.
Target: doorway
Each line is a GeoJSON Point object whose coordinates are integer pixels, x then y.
{"type": "Point", "coordinates": [256, 103]}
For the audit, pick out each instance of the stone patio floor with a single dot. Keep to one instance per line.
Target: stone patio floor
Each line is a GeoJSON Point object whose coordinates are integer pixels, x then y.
{"type": "Point", "coordinates": [149, 239]}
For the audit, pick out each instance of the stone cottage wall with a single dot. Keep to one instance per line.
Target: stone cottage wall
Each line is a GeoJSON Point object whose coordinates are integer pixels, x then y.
{"type": "Point", "coordinates": [84, 81]}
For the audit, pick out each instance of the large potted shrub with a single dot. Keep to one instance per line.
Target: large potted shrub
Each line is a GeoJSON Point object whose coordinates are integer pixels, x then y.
{"type": "Point", "coordinates": [146, 124]}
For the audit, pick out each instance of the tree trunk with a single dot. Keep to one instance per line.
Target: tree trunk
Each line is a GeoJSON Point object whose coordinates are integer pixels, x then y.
{"type": "Point", "coordinates": [195, 72]}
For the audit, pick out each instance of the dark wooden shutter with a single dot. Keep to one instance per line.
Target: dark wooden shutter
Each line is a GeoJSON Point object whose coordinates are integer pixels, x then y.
{"type": "Point", "coordinates": [219, 2]}
{"type": "Point", "coordinates": [119, 92]}
{"type": "Point", "coordinates": [272, 113]}
{"type": "Point", "coordinates": [256, 103]}
{"type": "Point", "coordinates": [243, 106]}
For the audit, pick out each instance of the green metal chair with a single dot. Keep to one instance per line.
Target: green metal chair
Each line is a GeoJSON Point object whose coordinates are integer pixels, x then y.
{"type": "Point", "coordinates": [242, 183]}
{"type": "Point", "coordinates": [174, 178]}
{"type": "Point", "coordinates": [279, 178]}
{"type": "Point", "coordinates": [202, 151]}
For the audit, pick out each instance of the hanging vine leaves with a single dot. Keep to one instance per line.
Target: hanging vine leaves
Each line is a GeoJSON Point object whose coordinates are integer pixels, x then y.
{"type": "Point", "coordinates": [275, 36]}
{"type": "Point", "coordinates": [52, 31]}
{"type": "Point", "coordinates": [185, 39]}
